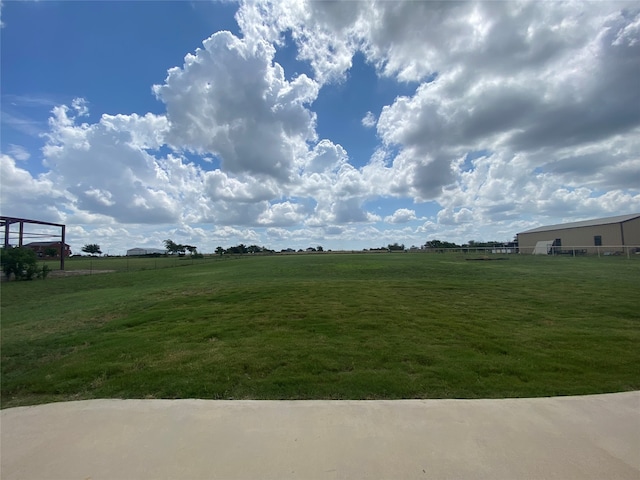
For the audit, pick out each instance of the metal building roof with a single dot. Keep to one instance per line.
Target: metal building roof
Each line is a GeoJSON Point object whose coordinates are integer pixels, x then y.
{"type": "Point", "coordinates": [43, 244]}
{"type": "Point", "coordinates": [147, 250]}
{"type": "Point", "coordinates": [585, 223]}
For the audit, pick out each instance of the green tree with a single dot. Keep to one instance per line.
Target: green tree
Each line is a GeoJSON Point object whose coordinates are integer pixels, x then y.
{"type": "Point", "coordinates": [20, 261]}
{"type": "Point", "coordinates": [173, 247]}
{"type": "Point", "coordinates": [237, 249]}
{"type": "Point", "coordinates": [92, 249]}
{"type": "Point", "coordinates": [50, 252]}
{"type": "Point", "coordinates": [219, 250]}
{"type": "Point", "coordinates": [440, 244]}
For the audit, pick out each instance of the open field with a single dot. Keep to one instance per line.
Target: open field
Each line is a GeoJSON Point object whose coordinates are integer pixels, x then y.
{"type": "Point", "coordinates": [340, 326]}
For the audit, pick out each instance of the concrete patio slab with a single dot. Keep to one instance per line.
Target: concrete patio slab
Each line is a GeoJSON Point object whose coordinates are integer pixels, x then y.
{"type": "Point", "coordinates": [587, 437]}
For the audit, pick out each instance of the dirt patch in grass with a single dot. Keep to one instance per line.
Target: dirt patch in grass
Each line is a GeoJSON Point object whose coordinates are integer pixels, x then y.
{"type": "Point", "coordinates": [488, 258]}
{"type": "Point", "coordinates": [63, 273]}
{"type": "Point", "coordinates": [75, 273]}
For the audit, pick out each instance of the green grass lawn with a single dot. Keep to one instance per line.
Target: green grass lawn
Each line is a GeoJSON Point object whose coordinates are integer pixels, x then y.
{"type": "Point", "coordinates": [335, 326]}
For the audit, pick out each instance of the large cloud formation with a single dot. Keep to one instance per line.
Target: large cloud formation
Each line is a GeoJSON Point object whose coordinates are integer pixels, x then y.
{"type": "Point", "coordinates": [521, 112]}
{"type": "Point", "coordinates": [231, 100]}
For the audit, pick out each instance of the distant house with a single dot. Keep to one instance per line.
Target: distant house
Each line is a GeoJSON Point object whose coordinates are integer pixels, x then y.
{"type": "Point", "coordinates": [133, 252]}
{"type": "Point", "coordinates": [43, 249]}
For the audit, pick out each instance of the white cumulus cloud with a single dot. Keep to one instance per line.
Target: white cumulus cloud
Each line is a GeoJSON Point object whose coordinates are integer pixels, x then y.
{"type": "Point", "coordinates": [402, 215]}
{"type": "Point", "coordinates": [369, 120]}
{"type": "Point", "coordinates": [231, 100]}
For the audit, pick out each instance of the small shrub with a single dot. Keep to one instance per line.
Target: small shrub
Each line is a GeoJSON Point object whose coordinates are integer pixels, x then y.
{"type": "Point", "coordinates": [19, 261]}
{"type": "Point", "coordinates": [44, 271]}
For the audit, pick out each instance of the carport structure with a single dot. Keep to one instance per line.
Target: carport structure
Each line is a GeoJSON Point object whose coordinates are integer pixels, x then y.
{"type": "Point", "coordinates": [6, 223]}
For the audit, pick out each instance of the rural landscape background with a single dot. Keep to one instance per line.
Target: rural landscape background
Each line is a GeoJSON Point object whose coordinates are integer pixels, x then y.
{"type": "Point", "coordinates": [296, 123]}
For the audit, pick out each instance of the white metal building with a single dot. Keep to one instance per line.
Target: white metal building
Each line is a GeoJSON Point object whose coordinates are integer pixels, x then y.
{"type": "Point", "coordinates": [145, 251]}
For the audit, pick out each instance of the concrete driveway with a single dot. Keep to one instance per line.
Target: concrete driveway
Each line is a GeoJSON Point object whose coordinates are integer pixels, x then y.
{"type": "Point", "coordinates": [589, 437]}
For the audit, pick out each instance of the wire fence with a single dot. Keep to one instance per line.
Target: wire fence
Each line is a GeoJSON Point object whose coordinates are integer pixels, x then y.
{"type": "Point", "coordinates": [90, 265]}
{"type": "Point", "coordinates": [566, 250]}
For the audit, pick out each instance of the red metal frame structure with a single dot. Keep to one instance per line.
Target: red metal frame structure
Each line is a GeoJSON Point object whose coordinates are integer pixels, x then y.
{"type": "Point", "coordinates": [6, 222]}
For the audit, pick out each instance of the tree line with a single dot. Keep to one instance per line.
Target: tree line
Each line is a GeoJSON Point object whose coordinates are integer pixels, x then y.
{"type": "Point", "coordinates": [181, 249]}
{"type": "Point", "coordinates": [469, 244]}
{"type": "Point", "coordinates": [242, 249]}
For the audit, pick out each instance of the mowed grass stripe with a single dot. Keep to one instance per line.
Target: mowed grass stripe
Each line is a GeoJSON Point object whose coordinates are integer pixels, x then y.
{"type": "Point", "coordinates": [359, 326]}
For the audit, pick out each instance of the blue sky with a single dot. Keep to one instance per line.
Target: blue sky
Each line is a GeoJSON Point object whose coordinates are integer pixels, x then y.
{"type": "Point", "coordinates": [350, 125]}
{"type": "Point", "coordinates": [109, 53]}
